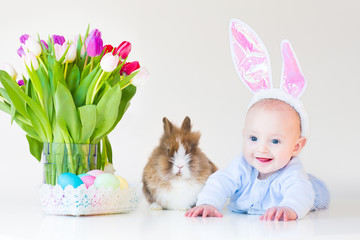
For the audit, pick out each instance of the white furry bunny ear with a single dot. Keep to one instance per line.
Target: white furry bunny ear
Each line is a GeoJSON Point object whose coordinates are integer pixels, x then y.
{"type": "Point", "coordinates": [293, 80]}
{"type": "Point", "coordinates": [250, 56]}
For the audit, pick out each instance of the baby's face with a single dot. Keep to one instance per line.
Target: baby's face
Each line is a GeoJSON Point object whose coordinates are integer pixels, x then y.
{"type": "Point", "coordinates": [271, 137]}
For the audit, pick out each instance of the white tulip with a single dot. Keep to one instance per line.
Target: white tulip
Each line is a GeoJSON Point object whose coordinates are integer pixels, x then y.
{"type": "Point", "coordinates": [30, 59]}
{"type": "Point", "coordinates": [9, 69]}
{"type": "Point", "coordinates": [141, 77]}
{"type": "Point", "coordinates": [59, 50]}
{"type": "Point", "coordinates": [71, 54]}
{"type": "Point", "coordinates": [33, 46]}
{"type": "Point", "coordinates": [109, 62]}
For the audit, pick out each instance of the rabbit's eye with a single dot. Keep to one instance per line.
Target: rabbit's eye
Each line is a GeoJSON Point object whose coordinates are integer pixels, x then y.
{"type": "Point", "coordinates": [168, 151]}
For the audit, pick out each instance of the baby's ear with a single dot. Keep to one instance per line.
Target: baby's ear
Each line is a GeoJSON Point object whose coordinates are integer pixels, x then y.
{"type": "Point", "coordinates": [300, 144]}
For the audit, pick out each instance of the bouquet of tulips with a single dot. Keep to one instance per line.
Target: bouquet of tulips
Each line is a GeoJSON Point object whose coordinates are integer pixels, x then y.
{"type": "Point", "coordinates": [76, 92]}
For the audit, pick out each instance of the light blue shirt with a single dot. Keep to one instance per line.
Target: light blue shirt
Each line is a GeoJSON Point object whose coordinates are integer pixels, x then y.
{"type": "Point", "coordinates": [288, 187]}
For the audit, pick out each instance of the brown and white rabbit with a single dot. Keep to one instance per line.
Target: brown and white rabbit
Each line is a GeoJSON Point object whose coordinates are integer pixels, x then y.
{"type": "Point", "coordinates": [177, 169]}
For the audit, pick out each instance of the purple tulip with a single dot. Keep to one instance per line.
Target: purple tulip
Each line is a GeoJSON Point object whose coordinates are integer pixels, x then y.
{"type": "Point", "coordinates": [95, 46]}
{"type": "Point", "coordinates": [123, 49]}
{"type": "Point", "coordinates": [23, 38]}
{"type": "Point", "coordinates": [21, 52]}
{"type": "Point", "coordinates": [57, 39]}
{"type": "Point", "coordinates": [44, 44]}
{"type": "Point", "coordinates": [93, 33]}
{"type": "Point", "coordinates": [21, 82]}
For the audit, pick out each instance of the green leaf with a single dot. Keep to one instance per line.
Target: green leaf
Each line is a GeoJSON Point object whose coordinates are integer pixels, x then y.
{"type": "Point", "coordinates": [87, 115]}
{"type": "Point", "coordinates": [81, 91]}
{"type": "Point", "coordinates": [35, 122]}
{"type": "Point", "coordinates": [66, 113]}
{"type": "Point", "coordinates": [73, 79]}
{"type": "Point", "coordinates": [126, 80]}
{"type": "Point", "coordinates": [106, 112]}
{"type": "Point", "coordinates": [127, 94]}
{"type": "Point", "coordinates": [35, 146]}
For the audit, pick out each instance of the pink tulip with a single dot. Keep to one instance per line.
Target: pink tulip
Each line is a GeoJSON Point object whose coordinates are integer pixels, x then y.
{"type": "Point", "coordinates": [21, 82]}
{"type": "Point", "coordinates": [130, 67]}
{"type": "Point", "coordinates": [93, 33]}
{"type": "Point", "coordinates": [109, 62]}
{"type": "Point", "coordinates": [23, 38]}
{"type": "Point", "coordinates": [21, 52]}
{"type": "Point", "coordinates": [57, 39]}
{"type": "Point", "coordinates": [123, 49]}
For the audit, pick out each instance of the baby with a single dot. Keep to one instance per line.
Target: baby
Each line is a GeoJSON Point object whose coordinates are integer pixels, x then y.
{"type": "Point", "coordinates": [268, 178]}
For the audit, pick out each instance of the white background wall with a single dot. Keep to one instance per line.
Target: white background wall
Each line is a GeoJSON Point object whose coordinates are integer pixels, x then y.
{"type": "Point", "coordinates": [185, 47]}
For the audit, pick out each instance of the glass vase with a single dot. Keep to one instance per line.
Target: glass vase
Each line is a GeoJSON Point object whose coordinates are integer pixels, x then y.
{"type": "Point", "coordinates": [73, 158]}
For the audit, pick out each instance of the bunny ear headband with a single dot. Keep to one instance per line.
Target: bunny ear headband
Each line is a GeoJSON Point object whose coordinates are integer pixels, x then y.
{"type": "Point", "coordinates": [252, 63]}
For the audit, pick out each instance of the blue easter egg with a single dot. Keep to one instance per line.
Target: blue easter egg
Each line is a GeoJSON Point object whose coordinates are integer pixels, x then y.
{"type": "Point", "coordinates": [67, 179]}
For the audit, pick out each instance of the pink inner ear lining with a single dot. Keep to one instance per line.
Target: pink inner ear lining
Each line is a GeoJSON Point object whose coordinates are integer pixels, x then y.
{"type": "Point", "coordinates": [250, 57]}
{"type": "Point", "coordinates": [293, 81]}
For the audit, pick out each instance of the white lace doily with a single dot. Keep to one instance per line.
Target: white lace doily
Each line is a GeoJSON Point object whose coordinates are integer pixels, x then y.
{"type": "Point", "coordinates": [83, 201]}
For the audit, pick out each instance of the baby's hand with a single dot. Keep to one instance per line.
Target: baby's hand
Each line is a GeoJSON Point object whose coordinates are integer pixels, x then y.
{"type": "Point", "coordinates": [204, 211]}
{"type": "Point", "coordinates": [279, 213]}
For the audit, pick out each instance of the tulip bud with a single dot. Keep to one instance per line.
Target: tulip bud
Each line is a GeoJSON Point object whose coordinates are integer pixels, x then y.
{"type": "Point", "coordinates": [109, 62]}
{"type": "Point", "coordinates": [130, 67]}
{"type": "Point", "coordinates": [95, 46]}
{"type": "Point", "coordinates": [93, 33]}
{"type": "Point", "coordinates": [141, 77]}
{"type": "Point", "coordinates": [21, 52]}
{"type": "Point", "coordinates": [23, 38]}
{"type": "Point", "coordinates": [57, 39]}
{"type": "Point", "coordinates": [108, 48]}
{"type": "Point", "coordinates": [30, 59]}
{"type": "Point", "coordinates": [123, 49]}
{"type": "Point", "coordinates": [44, 44]}
{"type": "Point", "coordinates": [21, 82]}
{"type": "Point", "coordinates": [71, 54]}
{"type": "Point", "coordinates": [33, 46]}
{"type": "Point", "coordinates": [10, 70]}
{"type": "Point", "coordinates": [59, 50]}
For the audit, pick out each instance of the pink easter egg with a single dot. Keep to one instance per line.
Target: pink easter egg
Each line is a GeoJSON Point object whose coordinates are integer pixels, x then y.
{"type": "Point", "coordinates": [95, 172]}
{"type": "Point", "coordinates": [88, 180]}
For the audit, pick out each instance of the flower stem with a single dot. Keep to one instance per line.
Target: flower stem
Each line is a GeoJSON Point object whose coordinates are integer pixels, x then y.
{"type": "Point", "coordinates": [42, 64]}
{"type": "Point", "coordinates": [92, 62]}
{"type": "Point", "coordinates": [95, 88]}
{"type": "Point", "coordinates": [66, 65]}
{"type": "Point", "coordinates": [86, 59]}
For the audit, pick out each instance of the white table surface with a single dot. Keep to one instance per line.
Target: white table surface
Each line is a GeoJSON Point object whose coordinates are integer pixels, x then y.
{"type": "Point", "coordinates": [21, 219]}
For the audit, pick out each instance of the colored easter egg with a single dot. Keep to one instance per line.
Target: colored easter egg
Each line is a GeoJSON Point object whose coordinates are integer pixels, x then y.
{"type": "Point", "coordinates": [107, 180]}
{"type": "Point", "coordinates": [84, 174]}
{"type": "Point", "coordinates": [67, 179]}
{"type": "Point", "coordinates": [95, 172]}
{"type": "Point", "coordinates": [123, 183]}
{"type": "Point", "coordinates": [88, 180]}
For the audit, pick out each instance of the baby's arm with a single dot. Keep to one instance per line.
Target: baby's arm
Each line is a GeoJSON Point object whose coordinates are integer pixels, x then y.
{"type": "Point", "coordinates": [204, 211]}
{"type": "Point", "coordinates": [279, 213]}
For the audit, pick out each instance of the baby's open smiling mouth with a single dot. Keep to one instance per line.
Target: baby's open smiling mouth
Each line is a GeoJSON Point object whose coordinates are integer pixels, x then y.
{"type": "Point", "coordinates": [264, 160]}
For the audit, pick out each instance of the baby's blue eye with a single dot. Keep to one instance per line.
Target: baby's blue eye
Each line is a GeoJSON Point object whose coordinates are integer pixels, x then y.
{"type": "Point", "coordinates": [275, 141]}
{"type": "Point", "coordinates": [254, 139]}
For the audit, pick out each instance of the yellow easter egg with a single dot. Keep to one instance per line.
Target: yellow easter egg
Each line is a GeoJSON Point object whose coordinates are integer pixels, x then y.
{"type": "Point", "coordinates": [123, 183]}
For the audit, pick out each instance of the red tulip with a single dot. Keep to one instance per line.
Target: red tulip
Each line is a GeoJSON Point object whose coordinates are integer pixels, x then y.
{"type": "Point", "coordinates": [130, 67]}
{"type": "Point", "coordinates": [123, 49]}
{"type": "Point", "coordinates": [108, 48]}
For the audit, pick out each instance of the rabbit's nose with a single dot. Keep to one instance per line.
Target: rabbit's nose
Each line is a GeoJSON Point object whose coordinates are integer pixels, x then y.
{"type": "Point", "coordinates": [179, 167]}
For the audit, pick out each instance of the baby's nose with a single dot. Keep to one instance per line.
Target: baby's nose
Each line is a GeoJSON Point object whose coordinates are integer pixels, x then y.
{"type": "Point", "coordinates": [263, 148]}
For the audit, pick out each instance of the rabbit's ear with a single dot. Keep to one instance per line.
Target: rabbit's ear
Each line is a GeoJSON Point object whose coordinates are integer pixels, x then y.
{"type": "Point", "coordinates": [293, 80]}
{"type": "Point", "coordinates": [168, 127]}
{"type": "Point", "coordinates": [250, 57]}
{"type": "Point", "coordinates": [186, 125]}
